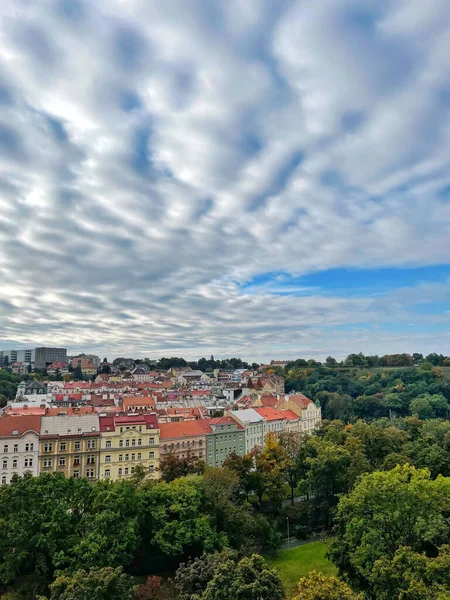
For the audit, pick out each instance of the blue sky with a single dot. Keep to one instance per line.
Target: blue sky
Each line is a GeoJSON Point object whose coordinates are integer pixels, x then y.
{"type": "Point", "coordinates": [238, 178]}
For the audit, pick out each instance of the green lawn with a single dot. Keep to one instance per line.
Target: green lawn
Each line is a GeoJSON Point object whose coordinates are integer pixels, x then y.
{"type": "Point", "coordinates": [299, 561]}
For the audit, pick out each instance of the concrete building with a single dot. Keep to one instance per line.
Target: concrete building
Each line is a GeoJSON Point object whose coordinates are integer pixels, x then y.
{"type": "Point", "coordinates": [183, 437]}
{"type": "Point", "coordinates": [227, 436]}
{"type": "Point", "coordinates": [19, 446]}
{"type": "Point", "coordinates": [254, 426]}
{"type": "Point", "coordinates": [128, 441]}
{"type": "Point", "coordinates": [70, 445]}
{"type": "Point", "coordinates": [13, 356]}
{"type": "Point", "coordinates": [46, 356]}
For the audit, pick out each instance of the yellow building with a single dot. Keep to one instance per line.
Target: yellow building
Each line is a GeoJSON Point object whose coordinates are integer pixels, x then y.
{"type": "Point", "coordinates": [127, 441]}
{"type": "Point", "coordinates": [70, 445]}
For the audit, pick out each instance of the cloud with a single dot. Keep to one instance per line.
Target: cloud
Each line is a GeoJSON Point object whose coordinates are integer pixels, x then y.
{"type": "Point", "coordinates": [156, 156]}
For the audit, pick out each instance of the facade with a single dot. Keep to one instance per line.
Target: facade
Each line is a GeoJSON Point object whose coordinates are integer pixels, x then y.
{"type": "Point", "coordinates": [12, 356]}
{"type": "Point", "coordinates": [254, 425]}
{"type": "Point", "coordinates": [227, 436]}
{"type": "Point", "coordinates": [184, 437]}
{"type": "Point", "coordinates": [46, 356]}
{"type": "Point", "coordinates": [142, 375]}
{"type": "Point", "coordinates": [275, 420]}
{"type": "Point", "coordinates": [70, 445]}
{"type": "Point", "coordinates": [20, 368]}
{"type": "Point", "coordinates": [57, 366]}
{"type": "Point", "coordinates": [19, 446]}
{"type": "Point", "coordinates": [128, 441]}
{"type": "Point", "coordinates": [310, 414]}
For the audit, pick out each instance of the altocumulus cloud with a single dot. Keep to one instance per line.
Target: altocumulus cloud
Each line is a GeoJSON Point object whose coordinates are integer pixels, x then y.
{"type": "Point", "coordinates": [158, 158]}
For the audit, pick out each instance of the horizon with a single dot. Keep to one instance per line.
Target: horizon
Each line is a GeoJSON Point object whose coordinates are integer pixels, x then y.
{"type": "Point", "coordinates": [238, 179]}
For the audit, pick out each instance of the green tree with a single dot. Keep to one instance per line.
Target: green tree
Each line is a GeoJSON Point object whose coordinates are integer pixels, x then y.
{"type": "Point", "coordinates": [173, 466]}
{"type": "Point", "coordinates": [387, 510]}
{"type": "Point", "coordinates": [96, 584]}
{"type": "Point", "coordinates": [192, 577]}
{"type": "Point", "coordinates": [317, 586]}
{"type": "Point", "coordinates": [77, 373]}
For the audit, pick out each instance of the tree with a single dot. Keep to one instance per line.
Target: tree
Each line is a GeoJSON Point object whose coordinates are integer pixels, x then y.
{"type": "Point", "coordinates": [317, 586]}
{"type": "Point", "coordinates": [96, 584]}
{"type": "Point", "coordinates": [153, 589]}
{"type": "Point", "coordinates": [291, 443]}
{"type": "Point", "coordinates": [243, 467]}
{"type": "Point", "coordinates": [173, 466]}
{"type": "Point", "coordinates": [274, 462]}
{"type": "Point", "coordinates": [192, 577]}
{"type": "Point", "coordinates": [330, 361]}
{"type": "Point", "coordinates": [387, 510]}
{"type": "Point", "coordinates": [77, 373]}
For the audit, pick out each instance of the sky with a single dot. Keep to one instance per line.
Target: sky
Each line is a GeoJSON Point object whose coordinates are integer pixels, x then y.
{"type": "Point", "coordinates": [243, 178]}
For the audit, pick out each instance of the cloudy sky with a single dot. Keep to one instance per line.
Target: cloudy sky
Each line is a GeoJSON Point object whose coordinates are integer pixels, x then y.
{"type": "Point", "coordinates": [253, 178]}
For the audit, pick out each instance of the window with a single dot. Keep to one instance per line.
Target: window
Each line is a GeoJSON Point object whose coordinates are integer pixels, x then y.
{"type": "Point", "coordinates": [3, 479]}
{"type": "Point", "coordinates": [76, 474]}
{"type": "Point", "coordinates": [90, 473]}
{"type": "Point", "coordinates": [28, 462]}
{"type": "Point", "coordinates": [5, 463]}
{"type": "Point", "coordinates": [139, 456]}
{"type": "Point", "coordinates": [121, 444]}
{"type": "Point", "coordinates": [62, 461]}
{"type": "Point", "coordinates": [108, 458]}
{"type": "Point", "coordinates": [127, 442]}
{"type": "Point", "coordinates": [62, 447]}
{"type": "Point", "coordinates": [48, 447]}
{"type": "Point", "coordinates": [16, 447]}
{"type": "Point", "coordinates": [151, 455]}
{"type": "Point", "coordinates": [108, 443]}
{"type": "Point", "coordinates": [210, 454]}
{"type": "Point", "coordinates": [133, 457]}
{"type": "Point", "coordinates": [76, 460]}
{"type": "Point", "coordinates": [29, 447]}
{"type": "Point", "coordinates": [151, 468]}
{"type": "Point", "coordinates": [47, 463]}
{"type": "Point", "coordinates": [119, 472]}
{"type": "Point", "coordinates": [126, 470]}
{"type": "Point", "coordinates": [139, 441]}
{"type": "Point", "coordinates": [127, 457]}
{"type": "Point", "coordinates": [77, 446]}
{"type": "Point", "coordinates": [15, 463]}
{"type": "Point", "coordinates": [120, 457]}
{"type": "Point", "coordinates": [5, 448]}
{"type": "Point", "coordinates": [107, 473]}
{"type": "Point", "coordinates": [91, 444]}
{"type": "Point", "coordinates": [151, 440]}
{"type": "Point", "coordinates": [133, 442]}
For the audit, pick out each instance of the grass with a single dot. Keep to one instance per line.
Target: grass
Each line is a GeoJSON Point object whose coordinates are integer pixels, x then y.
{"type": "Point", "coordinates": [297, 562]}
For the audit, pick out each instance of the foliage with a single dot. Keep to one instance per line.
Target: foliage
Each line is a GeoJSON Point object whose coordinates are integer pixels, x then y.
{"type": "Point", "coordinates": [153, 589]}
{"type": "Point", "coordinates": [319, 587]}
{"type": "Point", "coordinates": [173, 466]}
{"type": "Point", "coordinates": [96, 584]}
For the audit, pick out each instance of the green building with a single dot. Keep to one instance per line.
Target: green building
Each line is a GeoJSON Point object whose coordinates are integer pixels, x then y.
{"type": "Point", "coordinates": [227, 436]}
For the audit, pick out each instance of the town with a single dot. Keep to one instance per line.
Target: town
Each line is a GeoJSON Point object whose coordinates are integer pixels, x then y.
{"type": "Point", "coordinates": [89, 418]}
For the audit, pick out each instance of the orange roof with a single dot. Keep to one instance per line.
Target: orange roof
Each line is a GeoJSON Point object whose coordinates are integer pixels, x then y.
{"type": "Point", "coordinates": [226, 421]}
{"type": "Point", "coordinates": [10, 411]}
{"type": "Point", "coordinates": [184, 429]}
{"type": "Point", "coordinates": [270, 414]}
{"type": "Point", "coordinates": [268, 400]}
{"type": "Point", "coordinates": [139, 401]}
{"type": "Point", "coordinates": [301, 400]}
{"type": "Point", "coordinates": [289, 414]}
{"type": "Point", "coordinates": [21, 424]}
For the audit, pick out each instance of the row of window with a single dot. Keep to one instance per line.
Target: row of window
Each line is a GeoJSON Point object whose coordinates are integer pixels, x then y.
{"type": "Point", "coordinates": [182, 445]}
{"type": "Point", "coordinates": [127, 456]}
{"type": "Point", "coordinates": [127, 442]}
{"type": "Point", "coordinates": [48, 446]}
{"type": "Point", "coordinates": [28, 448]}
{"type": "Point", "coordinates": [48, 462]}
{"type": "Point", "coordinates": [28, 462]}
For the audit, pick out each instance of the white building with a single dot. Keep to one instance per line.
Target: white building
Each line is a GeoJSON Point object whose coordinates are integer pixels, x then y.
{"type": "Point", "coordinates": [19, 446]}
{"type": "Point", "coordinates": [13, 356]}
{"type": "Point", "coordinates": [254, 425]}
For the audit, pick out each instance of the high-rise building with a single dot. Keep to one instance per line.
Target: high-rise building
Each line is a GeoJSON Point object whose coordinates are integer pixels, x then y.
{"type": "Point", "coordinates": [12, 356]}
{"type": "Point", "coordinates": [44, 357]}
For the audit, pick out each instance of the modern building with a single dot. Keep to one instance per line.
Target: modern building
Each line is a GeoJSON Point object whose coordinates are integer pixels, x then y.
{"type": "Point", "coordinates": [254, 425]}
{"type": "Point", "coordinates": [19, 446]}
{"type": "Point", "coordinates": [127, 441]}
{"type": "Point", "coordinates": [70, 445]}
{"type": "Point", "coordinates": [44, 357]}
{"type": "Point", "coordinates": [183, 437]}
{"type": "Point", "coordinates": [12, 356]}
{"type": "Point", "coordinates": [227, 436]}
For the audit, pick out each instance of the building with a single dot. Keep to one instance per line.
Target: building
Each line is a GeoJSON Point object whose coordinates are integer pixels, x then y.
{"type": "Point", "coordinates": [56, 367]}
{"type": "Point", "coordinates": [46, 356]}
{"type": "Point", "coordinates": [20, 368]}
{"type": "Point", "coordinates": [70, 445]}
{"type": "Point", "coordinates": [275, 420]}
{"type": "Point", "coordinates": [19, 446]}
{"type": "Point", "coordinates": [191, 377]}
{"type": "Point", "coordinates": [186, 436]}
{"type": "Point", "coordinates": [142, 375]}
{"type": "Point", "coordinates": [87, 368]}
{"type": "Point", "coordinates": [127, 441]}
{"type": "Point", "coordinates": [227, 436]}
{"type": "Point", "coordinates": [254, 425]}
{"type": "Point", "coordinates": [310, 414]}
{"type": "Point", "coordinates": [139, 404]}
{"type": "Point", "coordinates": [12, 356]}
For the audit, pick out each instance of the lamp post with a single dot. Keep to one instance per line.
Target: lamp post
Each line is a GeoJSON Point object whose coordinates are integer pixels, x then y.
{"type": "Point", "coordinates": [287, 523]}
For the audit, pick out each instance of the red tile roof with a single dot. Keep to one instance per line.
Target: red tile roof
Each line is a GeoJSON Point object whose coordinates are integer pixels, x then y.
{"type": "Point", "coordinates": [289, 414]}
{"type": "Point", "coordinates": [149, 421]}
{"type": "Point", "coordinates": [270, 414]}
{"type": "Point", "coordinates": [268, 400]}
{"type": "Point", "coordinates": [301, 400]}
{"type": "Point", "coordinates": [21, 424]}
{"type": "Point", "coordinates": [184, 429]}
{"type": "Point", "coordinates": [225, 421]}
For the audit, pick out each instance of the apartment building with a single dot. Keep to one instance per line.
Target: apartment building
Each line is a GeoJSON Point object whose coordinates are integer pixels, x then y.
{"type": "Point", "coordinates": [70, 445]}
{"type": "Point", "coordinates": [127, 441]}
{"type": "Point", "coordinates": [183, 437]}
{"type": "Point", "coordinates": [227, 436]}
{"type": "Point", "coordinates": [13, 356]}
{"type": "Point", "coordinates": [19, 446]}
{"type": "Point", "coordinates": [254, 425]}
{"type": "Point", "coordinates": [46, 356]}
